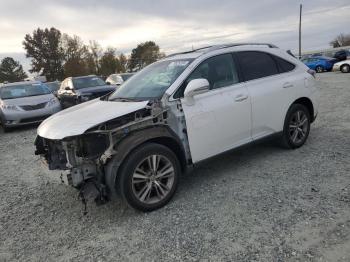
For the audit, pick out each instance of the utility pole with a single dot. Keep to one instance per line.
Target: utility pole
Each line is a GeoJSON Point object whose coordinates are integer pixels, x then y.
{"type": "Point", "coordinates": [301, 9]}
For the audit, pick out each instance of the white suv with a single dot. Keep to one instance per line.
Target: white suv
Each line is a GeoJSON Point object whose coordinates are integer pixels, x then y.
{"type": "Point", "coordinates": [175, 113]}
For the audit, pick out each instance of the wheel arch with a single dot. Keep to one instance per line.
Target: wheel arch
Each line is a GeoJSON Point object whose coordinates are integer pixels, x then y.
{"type": "Point", "coordinates": [161, 135]}
{"type": "Point", "coordinates": [305, 101]}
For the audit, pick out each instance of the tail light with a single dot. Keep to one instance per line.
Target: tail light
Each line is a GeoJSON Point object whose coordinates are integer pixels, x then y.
{"type": "Point", "coordinates": [312, 72]}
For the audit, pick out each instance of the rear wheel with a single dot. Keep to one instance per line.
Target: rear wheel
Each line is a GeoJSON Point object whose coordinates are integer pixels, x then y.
{"type": "Point", "coordinates": [296, 126]}
{"type": "Point", "coordinates": [149, 176]}
{"type": "Point", "coordinates": [319, 69]}
{"type": "Point", "coordinates": [345, 69]}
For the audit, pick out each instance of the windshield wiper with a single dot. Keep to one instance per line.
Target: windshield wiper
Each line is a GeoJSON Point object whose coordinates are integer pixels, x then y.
{"type": "Point", "coordinates": [125, 99]}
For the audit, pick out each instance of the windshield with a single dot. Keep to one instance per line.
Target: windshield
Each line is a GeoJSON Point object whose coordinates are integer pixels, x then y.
{"type": "Point", "coordinates": [23, 90]}
{"type": "Point", "coordinates": [84, 82]}
{"type": "Point", "coordinates": [53, 86]}
{"type": "Point", "coordinates": [152, 81]}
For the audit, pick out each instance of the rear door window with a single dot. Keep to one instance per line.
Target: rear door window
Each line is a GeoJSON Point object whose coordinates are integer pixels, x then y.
{"type": "Point", "coordinates": [255, 65]}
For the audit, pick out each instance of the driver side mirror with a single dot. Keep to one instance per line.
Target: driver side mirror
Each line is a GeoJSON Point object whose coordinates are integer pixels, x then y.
{"type": "Point", "coordinates": [195, 87]}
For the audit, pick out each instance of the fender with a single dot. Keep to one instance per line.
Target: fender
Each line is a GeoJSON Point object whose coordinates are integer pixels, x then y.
{"type": "Point", "coordinates": [130, 143]}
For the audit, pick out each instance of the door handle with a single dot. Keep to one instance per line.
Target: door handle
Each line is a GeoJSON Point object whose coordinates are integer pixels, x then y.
{"type": "Point", "coordinates": [287, 85]}
{"type": "Point", "coordinates": [240, 98]}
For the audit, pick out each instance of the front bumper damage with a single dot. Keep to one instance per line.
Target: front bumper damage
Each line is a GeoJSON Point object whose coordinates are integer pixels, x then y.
{"type": "Point", "coordinates": [85, 156]}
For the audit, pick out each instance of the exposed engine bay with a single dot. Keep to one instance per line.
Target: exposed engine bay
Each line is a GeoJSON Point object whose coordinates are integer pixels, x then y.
{"type": "Point", "coordinates": [86, 157]}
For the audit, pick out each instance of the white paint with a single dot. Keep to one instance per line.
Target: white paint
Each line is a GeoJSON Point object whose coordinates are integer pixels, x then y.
{"type": "Point", "coordinates": [77, 119]}
{"type": "Point", "coordinates": [219, 120]}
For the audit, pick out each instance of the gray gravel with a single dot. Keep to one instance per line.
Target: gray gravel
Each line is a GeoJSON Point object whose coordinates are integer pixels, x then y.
{"type": "Point", "coordinates": [259, 203]}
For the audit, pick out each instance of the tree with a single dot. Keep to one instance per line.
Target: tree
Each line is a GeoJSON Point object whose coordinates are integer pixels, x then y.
{"type": "Point", "coordinates": [144, 54]}
{"type": "Point", "coordinates": [95, 51]}
{"type": "Point", "coordinates": [45, 50]}
{"type": "Point", "coordinates": [11, 70]}
{"type": "Point", "coordinates": [123, 61]}
{"type": "Point", "coordinates": [108, 62]}
{"type": "Point", "coordinates": [341, 40]}
{"type": "Point", "coordinates": [76, 56]}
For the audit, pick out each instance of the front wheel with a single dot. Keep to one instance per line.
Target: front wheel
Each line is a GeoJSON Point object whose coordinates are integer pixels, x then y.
{"type": "Point", "coordinates": [4, 127]}
{"type": "Point", "coordinates": [345, 69]}
{"type": "Point", "coordinates": [148, 177]}
{"type": "Point", "coordinates": [296, 126]}
{"type": "Point", "coordinates": [319, 69]}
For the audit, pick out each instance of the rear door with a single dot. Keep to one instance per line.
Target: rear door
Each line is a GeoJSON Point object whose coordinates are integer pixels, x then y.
{"type": "Point", "coordinates": [220, 119]}
{"type": "Point", "coordinates": [272, 89]}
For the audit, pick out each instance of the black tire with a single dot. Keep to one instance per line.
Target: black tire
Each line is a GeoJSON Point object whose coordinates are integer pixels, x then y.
{"type": "Point", "coordinates": [127, 186]}
{"type": "Point", "coordinates": [345, 68]}
{"type": "Point", "coordinates": [319, 69]}
{"type": "Point", "coordinates": [4, 127]}
{"type": "Point", "coordinates": [290, 139]}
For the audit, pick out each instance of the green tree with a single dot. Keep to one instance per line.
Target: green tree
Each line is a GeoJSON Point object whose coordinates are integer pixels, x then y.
{"type": "Point", "coordinates": [78, 60]}
{"type": "Point", "coordinates": [95, 53]}
{"type": "Point", "coordinates": [341, 40]}
{"type": "Point", "coordinates": [44, 48]}
{"type": "Point", "coordinates": [11, 70]}
{"type": "Point", "coordinates": [144, 54]}
{"type": "Point", "coordinates": [109, 63]}
{"type": "Point", "coordinates": [123, 62]}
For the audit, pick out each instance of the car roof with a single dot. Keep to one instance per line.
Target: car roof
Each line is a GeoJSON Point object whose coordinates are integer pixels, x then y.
{"type": "Point", "coordinates": [20, 83]}
{"type": "Point", "coordinates": [77, 77]}
{"type": "Point", "coordinates": [322, 57]}
{"type": "Point", "coordinates": [208, 49]}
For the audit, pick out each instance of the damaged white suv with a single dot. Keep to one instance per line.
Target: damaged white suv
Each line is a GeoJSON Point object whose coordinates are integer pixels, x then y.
{"type": "Point", "coordinates": [176, 112]}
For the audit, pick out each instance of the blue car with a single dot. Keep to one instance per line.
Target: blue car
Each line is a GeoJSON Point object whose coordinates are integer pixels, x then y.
{"type": "Point", "coordinates": [319, 63]}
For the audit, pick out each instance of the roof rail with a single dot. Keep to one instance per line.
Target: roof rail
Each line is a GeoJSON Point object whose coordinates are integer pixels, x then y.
{"type": "Point", "coordinates": [217, 47]}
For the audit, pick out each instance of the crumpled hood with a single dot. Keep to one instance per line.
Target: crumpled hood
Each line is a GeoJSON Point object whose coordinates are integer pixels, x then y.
{"type": "Point", "coordinates": [77, 119]}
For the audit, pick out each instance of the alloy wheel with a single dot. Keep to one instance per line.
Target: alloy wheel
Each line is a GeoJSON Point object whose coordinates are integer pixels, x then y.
{"type": "Point", "coordinates": [319, 69]}
{"type": "Point", "coordinates": [153, 179]}
{"type": "Point", "coordinates": [298, 127]}
{"type": "Point", "coordinates": [345, 69]}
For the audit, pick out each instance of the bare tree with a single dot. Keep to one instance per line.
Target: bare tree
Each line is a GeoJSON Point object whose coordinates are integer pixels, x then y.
{"type": "Point", "coordinates": [341, 40]}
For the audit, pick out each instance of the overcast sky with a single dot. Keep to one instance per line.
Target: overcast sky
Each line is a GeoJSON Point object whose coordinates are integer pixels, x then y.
{"type": "Point", "coordinates": [175, 25]}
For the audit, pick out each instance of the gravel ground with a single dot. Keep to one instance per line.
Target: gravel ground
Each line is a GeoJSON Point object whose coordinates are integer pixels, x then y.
{"type": "Point", "coordinates": [258, 203]}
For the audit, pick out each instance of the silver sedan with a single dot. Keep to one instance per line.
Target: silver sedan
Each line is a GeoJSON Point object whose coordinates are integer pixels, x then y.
{"type": "Point", "coordinates": [25, 103]}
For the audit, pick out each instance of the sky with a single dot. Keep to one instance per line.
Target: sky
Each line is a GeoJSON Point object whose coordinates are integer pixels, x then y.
{"type": "Point", "coordinates": [174, 25]}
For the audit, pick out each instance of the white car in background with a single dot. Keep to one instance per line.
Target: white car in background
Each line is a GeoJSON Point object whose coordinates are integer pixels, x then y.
{"type": "Point", "coordinates": [343, 66]}
{"type": "Point", "coordinates": [175, 113]}
{"type": "Point", "coordinates": [118, 79]}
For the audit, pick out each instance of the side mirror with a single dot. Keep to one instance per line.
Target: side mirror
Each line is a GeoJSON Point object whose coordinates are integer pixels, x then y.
{"type": "Point", "coordinates": [67, 88]}
{"type": "Point", "coordinates": [195, 87]}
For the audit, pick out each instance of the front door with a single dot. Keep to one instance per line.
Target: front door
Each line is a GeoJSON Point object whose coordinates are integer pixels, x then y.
{"type": "Point", "coordinates": [219, 119]}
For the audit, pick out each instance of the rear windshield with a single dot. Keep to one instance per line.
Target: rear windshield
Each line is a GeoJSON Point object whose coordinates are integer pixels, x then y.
{"type": "Point", "coordinates": [85, 82]}
{"type": "Point", "coordinates": [23, 90]}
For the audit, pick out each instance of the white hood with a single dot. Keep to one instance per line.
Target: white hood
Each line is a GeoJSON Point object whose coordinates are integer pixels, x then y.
{"type": "Point", "coordinates": [77, 119]}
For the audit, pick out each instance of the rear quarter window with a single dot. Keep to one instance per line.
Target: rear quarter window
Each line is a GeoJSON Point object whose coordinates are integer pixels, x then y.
{"type": "Point", "coordinates": [283, 65]}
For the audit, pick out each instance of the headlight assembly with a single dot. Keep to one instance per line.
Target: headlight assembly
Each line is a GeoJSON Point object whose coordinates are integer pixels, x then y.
{"type": "Point", "coordinates": [84, 98]}
{"type": "Point", "coordinates": [9, 107]}
{"type": "Point", "coordinates": [52, 101]}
